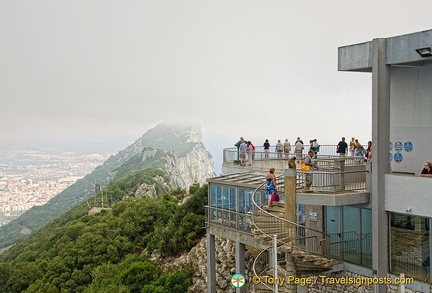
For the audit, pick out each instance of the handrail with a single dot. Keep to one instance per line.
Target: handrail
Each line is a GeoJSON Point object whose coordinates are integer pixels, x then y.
{"type": "Point", "coordinates": [300, 237]}
{"type": "Point", "coordinates": [262, 256]}
{"type": "Point", "coordinates": [289, 235]}
{"type": "Point", "coordinates": [328, 151]}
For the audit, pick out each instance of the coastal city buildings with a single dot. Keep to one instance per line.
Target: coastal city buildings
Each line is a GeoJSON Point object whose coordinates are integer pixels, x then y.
{"type": "Point", "coordinates": [370, 218]}
{"type": "Point", "coordinates": [31, 178]}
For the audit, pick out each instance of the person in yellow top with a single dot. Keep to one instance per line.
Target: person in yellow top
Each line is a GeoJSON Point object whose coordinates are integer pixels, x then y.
{"type": "Point", "coordinates": [352, 146]}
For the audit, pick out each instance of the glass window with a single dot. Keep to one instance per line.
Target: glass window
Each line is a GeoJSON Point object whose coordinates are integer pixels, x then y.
{"type": "Point", "coordinates": [249, 201]}
{"type": "Point", "coordinates": [225, 198]}
{"type": "Point", "coordinates": [350, 231]}
{"type": "Point", "coordinates": [213, 195]}
{"type": "Point", "coordinates": [366, 237]}
{"type": "Point", "coordinates": [333, 229]}
{"type": "Point", "coordinates": [219, 196]}
{"type": "Point", "coordinates": [351, 234]}
{"type": "Point", "coordinates": [301, 214]}
{"type": "Point", "coordinates": [233, 220]}
{"type": "Point", "coordinates": [409, 246]}
{"type": "Point", "coordinates": [241, 198]}
{"type": "Point", "coordinates": [232, 195]}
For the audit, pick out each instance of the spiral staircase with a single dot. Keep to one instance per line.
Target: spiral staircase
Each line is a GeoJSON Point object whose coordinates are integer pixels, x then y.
{"type": "Point", "coordinates": [300, 251]}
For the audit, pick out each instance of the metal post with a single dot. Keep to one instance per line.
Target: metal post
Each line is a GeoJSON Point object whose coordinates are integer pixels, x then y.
{"type": "Point", "coordinates": [240, 262]}
{"type": "Point", "coordinates": [402, 286]}
{"type": "Point", "coordinates": [275, 261]}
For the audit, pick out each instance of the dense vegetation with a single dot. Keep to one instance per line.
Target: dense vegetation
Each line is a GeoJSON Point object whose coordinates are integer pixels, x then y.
{"type": "Point", "coordinates": [173, 138]}
{"type": "Point", "coordinates": [109, 251]}
{"type": "Point", "coordinates": [38, 216]}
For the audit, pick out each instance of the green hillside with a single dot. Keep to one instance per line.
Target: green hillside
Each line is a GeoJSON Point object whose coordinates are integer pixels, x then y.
{"type": "Point", "coordinates": [109, 251]}
{"type": "Point", "coordinates": [163, 137]}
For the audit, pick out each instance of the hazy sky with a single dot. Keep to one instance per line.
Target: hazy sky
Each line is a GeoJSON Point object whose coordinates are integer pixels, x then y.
{"type": "Point", "coordinates": [261, 69]}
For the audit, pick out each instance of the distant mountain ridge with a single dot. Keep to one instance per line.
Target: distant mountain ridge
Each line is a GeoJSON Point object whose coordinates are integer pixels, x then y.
{"type": "Point", "coordinates": [177, 149]}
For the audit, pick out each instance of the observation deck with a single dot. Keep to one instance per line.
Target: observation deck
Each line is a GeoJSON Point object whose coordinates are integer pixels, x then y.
{"type": "Point", "coordinates": [237, 201]}
{"type": "Point", "coordinates": [340, 180]}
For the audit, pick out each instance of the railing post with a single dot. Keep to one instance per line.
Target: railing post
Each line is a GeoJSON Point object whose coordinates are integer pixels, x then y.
{"type": "Point", "coordinates": [275, 261]}
{"type": "Point", "coordinates": [340, 166]}
{"type": "Point", "coordinates": [401, 285]}
{"type": "Point", "coordinates": [342, 170]}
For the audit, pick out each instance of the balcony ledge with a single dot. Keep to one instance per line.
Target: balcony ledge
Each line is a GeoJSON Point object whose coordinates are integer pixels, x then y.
{"type": "Point", "coordinates": [334, 198]}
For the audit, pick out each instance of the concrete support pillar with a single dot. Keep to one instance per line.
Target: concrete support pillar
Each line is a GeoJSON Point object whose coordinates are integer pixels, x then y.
{"type": "Point", "coordinates": [291, 215]}
{"type": "Point", "coordinates": [290, 195]}
{"type": "Point", "coordinates": [380, 161]}
{"type": "Point", "coordinates": [211, 264]}
{"type": "Point", "coordinates": [291, 271]}
{"type": "Point", "coordinates": [240, 263]}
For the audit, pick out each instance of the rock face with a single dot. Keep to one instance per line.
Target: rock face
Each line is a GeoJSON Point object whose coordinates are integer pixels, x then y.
{"type": "Point", "coordinates": [176, 149]}
{"type": "Point", "coordinates": [149, 190]}
{"type": "Point", "coordinates": [225, 265]}
{"type": "Point", "coordinates": [194, 167]}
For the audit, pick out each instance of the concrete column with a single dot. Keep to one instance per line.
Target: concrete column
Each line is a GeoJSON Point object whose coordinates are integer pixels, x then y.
{"type": "Point", "coordinates": [290, 195]}
{"type": "Point", "coordinates": [291, 215]}
{"type": "Point", "coordinates": [380, 160]}
{"type": "Point", "coordinates": [240, 263]}
{"type": "Point", "coordinates": [291, 271]}
{"type": "Point", "coordinates": [211, 264]}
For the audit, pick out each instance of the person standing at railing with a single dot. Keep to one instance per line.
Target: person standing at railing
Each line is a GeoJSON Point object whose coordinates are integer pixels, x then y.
{"type": "Point", "coordinates": [359, 154]}
{"type": "Point", "coordinates": [368, 155]}
{"type": "Point", "coordinates": [314, 147]}
{"type": "Point", "coordinates": [242, 150]}
{"type": "Point", "coordinates": [237, 144]}
{"type": "Point", "coordinates": [270, 186]}
{"type": "Point", "coordinates": [287, 148]}
{"type": "Point", "coordinates": [250, 148]}
{"type": "Point", "coordinates": [312, 167]}
{"type": "Point", "coordinates": [266, 146]}
{"type": "Point", "coordinates": [279, 149]}
{"type": "Point", "coordinates": [298, 149]}
{"type": "Point", "coordinates": [342, 147]}
{"type": "Point", "coordinates": [253, 149]}
{"type": "Point", "coordinates": [352, 147]}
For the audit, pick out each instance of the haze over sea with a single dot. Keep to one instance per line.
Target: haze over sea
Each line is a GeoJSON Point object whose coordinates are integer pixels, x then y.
{"type": "Point", "coordinates": [214, 143]}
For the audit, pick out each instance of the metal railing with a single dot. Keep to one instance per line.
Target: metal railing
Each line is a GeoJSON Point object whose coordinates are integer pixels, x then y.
{"type": "Point", "coordinates": [231, 155]}
{"type": "Point", "coordinates": [410, 266]}
{"type": "Point", "coordinates": [261, 267]}
{"type": "Point", "coordinates": [335, 173]}
{"type": "Point", "coordinates": [334, 181]}
{"type": "Point", "coordinates": [352, 247]}
{"type": "Point", "coordinates": [291, 234]}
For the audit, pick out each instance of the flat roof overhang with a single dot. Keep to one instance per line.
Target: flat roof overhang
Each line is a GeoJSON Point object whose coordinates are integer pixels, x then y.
{"type": "Point", "coordinates": [401, 51]}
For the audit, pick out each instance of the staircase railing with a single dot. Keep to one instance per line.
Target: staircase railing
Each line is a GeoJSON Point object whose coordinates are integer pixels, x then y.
{"type": "Point", "coordinates": [290, 234]}
{"type": "Point", "coordinates": [291, 237]}
{"type": "Point", "coordinates": [260, 266]}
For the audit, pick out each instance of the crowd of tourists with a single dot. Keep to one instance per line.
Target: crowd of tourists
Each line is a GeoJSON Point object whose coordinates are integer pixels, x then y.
{"type": "Point", "coordinates": [353, 148]}
{"type": "Point", "coordinates": [246, 150]}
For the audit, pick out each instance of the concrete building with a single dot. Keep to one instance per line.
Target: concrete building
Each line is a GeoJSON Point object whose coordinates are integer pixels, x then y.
{"type": "Point", "coordinates": [362, 219]}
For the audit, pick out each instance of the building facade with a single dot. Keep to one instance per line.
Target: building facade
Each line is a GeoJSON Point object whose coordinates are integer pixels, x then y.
{"type": "Point", "coordinates": [374, 216]}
